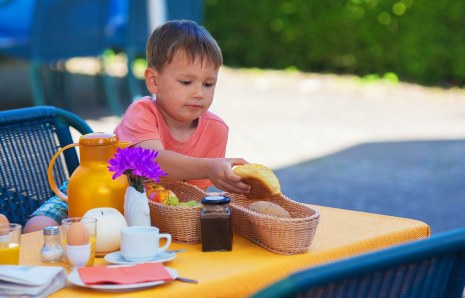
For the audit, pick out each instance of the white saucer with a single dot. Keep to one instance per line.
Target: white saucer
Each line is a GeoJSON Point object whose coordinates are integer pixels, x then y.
{"type": "Point", "coordinates": [75, 279]}
{"type": "Point", "coordinates": [117, 258]}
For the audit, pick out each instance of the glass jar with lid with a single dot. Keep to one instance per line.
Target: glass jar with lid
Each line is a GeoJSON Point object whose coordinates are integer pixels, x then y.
{"type": "Point", "coordinates": [216, 224]}
{"type": "Point", "coordinates": [51, 251]}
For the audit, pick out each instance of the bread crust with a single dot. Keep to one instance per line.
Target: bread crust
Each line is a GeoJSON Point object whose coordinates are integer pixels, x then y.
{"type": "Point", "coordinates": [269, 208]}
{"type": "Point", "coordinates": [263, 182]}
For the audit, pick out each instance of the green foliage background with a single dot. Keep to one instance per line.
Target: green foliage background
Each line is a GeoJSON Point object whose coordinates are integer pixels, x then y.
{"type": "Point", "coordinates": [421, 41]}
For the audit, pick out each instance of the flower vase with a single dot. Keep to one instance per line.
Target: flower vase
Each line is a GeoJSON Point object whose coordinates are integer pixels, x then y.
{"type": "Point", "coordinates": [136, 208]}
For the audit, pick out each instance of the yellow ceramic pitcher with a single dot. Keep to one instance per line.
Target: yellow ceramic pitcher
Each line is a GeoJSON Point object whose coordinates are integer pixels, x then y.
{"type": "Point", "coordinates": [91, 185]}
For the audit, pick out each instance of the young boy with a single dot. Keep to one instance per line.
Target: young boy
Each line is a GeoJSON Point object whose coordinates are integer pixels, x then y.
{"type": "Point", "coordinates": [183, 61]}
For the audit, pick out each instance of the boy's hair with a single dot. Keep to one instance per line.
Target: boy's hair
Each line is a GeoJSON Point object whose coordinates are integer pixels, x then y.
{"type": "Point", "coordinates": [185, 35]}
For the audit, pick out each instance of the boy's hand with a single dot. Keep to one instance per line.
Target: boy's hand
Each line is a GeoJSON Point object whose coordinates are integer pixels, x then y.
{"type": "Point", "coordinates": [222, 176]}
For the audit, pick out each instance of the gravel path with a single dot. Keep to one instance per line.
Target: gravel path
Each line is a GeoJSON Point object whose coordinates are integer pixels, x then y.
{"type": "Point", "coordinates": [395, 149]}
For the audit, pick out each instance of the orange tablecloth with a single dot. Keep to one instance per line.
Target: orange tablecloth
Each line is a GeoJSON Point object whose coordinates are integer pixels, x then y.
{"type": "Point", "coordinates": [341, 233]}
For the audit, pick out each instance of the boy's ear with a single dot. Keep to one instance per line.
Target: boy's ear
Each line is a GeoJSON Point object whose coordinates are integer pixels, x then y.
{"type": "Point", "coordinates": [151, 79]}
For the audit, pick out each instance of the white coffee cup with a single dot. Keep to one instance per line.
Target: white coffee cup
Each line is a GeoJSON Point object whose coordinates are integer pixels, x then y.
{"type": "Point", "coordinates": [142, 243]}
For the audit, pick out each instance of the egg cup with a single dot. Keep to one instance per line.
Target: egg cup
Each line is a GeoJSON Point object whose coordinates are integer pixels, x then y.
{"type": "Point", "coordinates": [78, 255]}
{"type": "Point", "coordinates": [91, 227]}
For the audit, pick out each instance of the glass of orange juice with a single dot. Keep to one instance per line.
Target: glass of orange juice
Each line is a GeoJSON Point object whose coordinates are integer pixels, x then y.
{"type": "Point", "coordinates": [90, 225]}
{"type": "Point", "coordinates": [10, 240]}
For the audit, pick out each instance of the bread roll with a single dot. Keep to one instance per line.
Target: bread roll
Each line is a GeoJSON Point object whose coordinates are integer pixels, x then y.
{"type": "Point", "coordinates": [269, 209]}
{"type": "Point", "coordinates": [263, 182]}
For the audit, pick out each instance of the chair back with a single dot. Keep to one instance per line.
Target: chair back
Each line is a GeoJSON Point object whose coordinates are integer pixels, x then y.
{"type": "Point", "coordinates": [29, 137]}
{"type": "Point", "coordinates": [433, 267]}
{"type": "Point", "coordinates": [47, 31]}
{"type": "Point", "coordinates": [186, 9]}
{"type": "Point", "coordinates": [15, 27]}
{"type": "Point", "coordinates": [71, 28]}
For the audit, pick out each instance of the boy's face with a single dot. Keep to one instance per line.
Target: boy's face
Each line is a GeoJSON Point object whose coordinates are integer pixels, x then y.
{"type": "Point", "coordinates": [184, 88]}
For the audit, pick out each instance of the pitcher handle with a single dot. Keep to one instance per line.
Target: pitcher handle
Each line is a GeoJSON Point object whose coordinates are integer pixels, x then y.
{"type": "Point", "coordinates": [123, 144]}
{"type": "Point", "coordinates": [51, 180]}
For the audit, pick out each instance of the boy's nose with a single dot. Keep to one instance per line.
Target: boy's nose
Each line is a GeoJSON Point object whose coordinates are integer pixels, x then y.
{"type": "Point", "coordinates": [198, 93]}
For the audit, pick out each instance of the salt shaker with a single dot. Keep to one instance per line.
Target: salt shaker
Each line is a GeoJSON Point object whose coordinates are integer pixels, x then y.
{"type": "Point", "coordinates": [52, 250]}
{"type": "Point", "coordinates": [216, 224]}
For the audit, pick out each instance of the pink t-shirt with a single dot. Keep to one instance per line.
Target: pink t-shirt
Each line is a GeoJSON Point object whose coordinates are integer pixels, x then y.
{"type": "Point", "coordinates": [143, 121]}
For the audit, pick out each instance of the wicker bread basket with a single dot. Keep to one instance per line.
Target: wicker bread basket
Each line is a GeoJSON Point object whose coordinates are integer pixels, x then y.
{"type": "Point", "coordinates": [285, 236]}
{"type": "Point", "coordinates": [183, 223]}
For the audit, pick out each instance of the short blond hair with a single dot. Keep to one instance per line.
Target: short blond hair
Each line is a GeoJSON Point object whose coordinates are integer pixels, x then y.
{"type": "Point", "coordinates": [185, 35]}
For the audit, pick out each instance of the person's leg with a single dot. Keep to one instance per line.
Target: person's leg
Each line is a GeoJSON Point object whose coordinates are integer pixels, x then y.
{"type": "Point", "coordinates": [51, 213]}
{"type": "Point", "coordinates": [38, 222]}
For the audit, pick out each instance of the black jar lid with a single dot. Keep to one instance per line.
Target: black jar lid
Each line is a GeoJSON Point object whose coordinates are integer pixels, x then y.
{"type": "Point", "coordinates": [216, 200]}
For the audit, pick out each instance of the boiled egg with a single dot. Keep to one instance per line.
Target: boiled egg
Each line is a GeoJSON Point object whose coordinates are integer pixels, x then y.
{"type": "Point", "coordinates": [4, 230]}
{"type": "Point", "coordinates": [77, 234]}
{"type": "Point", "coordinates": [3, 220]}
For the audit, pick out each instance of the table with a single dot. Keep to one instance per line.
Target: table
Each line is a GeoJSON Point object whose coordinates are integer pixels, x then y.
{"type": "Point", "coordinates": [249, 267]}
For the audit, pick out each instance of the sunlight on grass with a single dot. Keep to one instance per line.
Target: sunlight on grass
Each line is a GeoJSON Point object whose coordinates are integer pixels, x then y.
{"type": "Point", "coordinates": [388, 77]}
{"type": "Point", "coordinates": [116, 65]}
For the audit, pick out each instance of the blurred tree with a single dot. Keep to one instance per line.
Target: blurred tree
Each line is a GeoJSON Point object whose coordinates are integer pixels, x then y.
{"type": "Point", "coordinates": [419, 40]}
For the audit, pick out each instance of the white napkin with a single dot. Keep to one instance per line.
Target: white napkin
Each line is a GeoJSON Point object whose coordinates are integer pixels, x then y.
{"type": "Point", "coordinates": [136, 208]}
{"type": "Point", "coordinates": [31, 281]}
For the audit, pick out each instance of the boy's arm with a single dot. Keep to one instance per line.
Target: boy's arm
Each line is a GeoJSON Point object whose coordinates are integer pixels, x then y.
{"type": "Point", "coordinates": [182, 167]}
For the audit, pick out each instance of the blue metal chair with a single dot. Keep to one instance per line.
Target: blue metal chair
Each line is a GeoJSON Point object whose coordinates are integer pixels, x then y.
{"type": "Point", "coordinates": [29, 137]}
{"type": "Point", "coordinates": [72, 28]}
{"type": "Point", "coordinates": [61, 30]}
{"type": "Point", "coordinates": [433, 267]}
{"type": "Point", "coordinates": [76, 28]}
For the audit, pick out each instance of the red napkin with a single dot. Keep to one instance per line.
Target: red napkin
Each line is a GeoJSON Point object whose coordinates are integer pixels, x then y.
{"type": "Point", "coordinates": [146, 272]}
